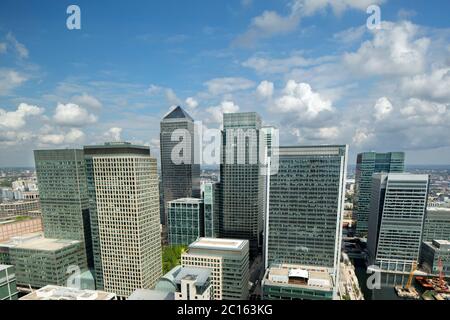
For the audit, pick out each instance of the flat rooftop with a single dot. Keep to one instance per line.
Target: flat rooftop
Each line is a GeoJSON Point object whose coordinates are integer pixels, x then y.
{"type": "Point", "coordinates": [4, 267]}
{"type": "Point", "coordinates": [36, 241]}
{"type": "Point", "coordinates": [199, 275]}
{"type": "Point", "coordinates": [438, 209]}
{"type": "Point", "coordinates": [51, 292]}
{"type": "Point", "coordinates": [218, 244]}
{"type": "Point", "coordinates": [309, 277]}
{"type": "Point", "coordinates": [148, 294]}
{"type": "Point", "coordinates": [187, 200]}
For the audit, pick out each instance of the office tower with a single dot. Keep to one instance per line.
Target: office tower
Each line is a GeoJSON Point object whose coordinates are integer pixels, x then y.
{"type": "Point", "coordinates": [41, 261]}
{"type": "Point", "coordinates": [8, 287]}
{"type": "Point", "coordinates": [185, 221]}
{"type": "Point", "coordinates": [241, 182]}
{"type": "Point", "coordinates": [367, 164]}
{"type": "Point", "coordinates": [63, 194]}
{"type": "Point", "coordinates": [433, 255]}
{"type": "Point", "coordinates": [228, 261]}
{"type": "Point", "coordinates": [306, 207]}
{"type": "Point", "coordinates": [437, 224]}
{"type": "Point", "coordinates": [193, 284]}
{"type": "Point", "coordinates": [123, 186]}
{"type": "Point", "coordinates": [210, 209]}
{"type": "Point", "coordinates": [398, 205]}
{"type": "Point", "coordinates": [179, 180]}
{"type": "Point", "coordinates": [295, 282]}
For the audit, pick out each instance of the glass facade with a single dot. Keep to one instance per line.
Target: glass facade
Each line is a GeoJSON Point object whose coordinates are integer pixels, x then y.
{"type": "Point", "coordinates": [185, 221]}
{"type": "Point", "coordinates": [398, 205]}
{"type": "Point", "coordinates": [242, 185]}
{"type": "Point", "coordinates": [367, 164]}
{"type": "Point", "coordinates": [8, 287]}
{"type": "Point", "coordinates": [437, 224]}
{"type": "Point", "coordinates": [209, 209]}
{"type": "Point", "coordinates": [178, 180]}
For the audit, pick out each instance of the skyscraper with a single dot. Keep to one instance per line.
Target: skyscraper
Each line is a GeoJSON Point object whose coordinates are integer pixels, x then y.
{"type": "Point", "coordinates": [242, 184]}
{"type": "Point", "coordinates": [367, 164]}
{"type": "Point", "coordinates": [398, 205]}
{"type": "Point", "coordinates": [123, 184]}
{"type": "Point", "coordinates": [179, 180]}
{"type": "Point", "coordinates": [306, 198]}
{"type": "Point", "coordinates": [63, 195]}
{"type": "Point", "coordinates": [210, 209]}
{"type": "Point", "coordinates": [185, 221]}
{"type": "Point", "coordinates": [437, 224]}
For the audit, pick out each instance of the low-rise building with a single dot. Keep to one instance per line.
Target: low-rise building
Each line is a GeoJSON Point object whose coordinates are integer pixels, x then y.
{"type": "Point", "coordinates": [18, 226]}
{"type": "Point", "coordinates": [193, 284]}
{"type": "Point", "coordinates": [51, 292]}
{"type": "Point", "coordinates": [430, 255]}
{"type": "Point", "coordinates": [8, 287]}
{"type": "Point", "coordinates": [18, 208]}
{"type": "Point", "coordinates": [295, 282]}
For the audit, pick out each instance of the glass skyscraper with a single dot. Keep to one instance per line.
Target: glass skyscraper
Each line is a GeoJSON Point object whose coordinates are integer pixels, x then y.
{"type": "Point", "coordinates": [210, 209]}
{"type": "Point", "coordinates": [178, 180]}
{"type": "Point", "coordinates": [367, 164]}
{"type": "Point", "coordinates": [185, 221]}
{"type": "Point", "coordinates": [241, 182]}
{"type": "Point", "coordinates": [306, 198]}
{"type": "Point", "coordinates": [397, 216]}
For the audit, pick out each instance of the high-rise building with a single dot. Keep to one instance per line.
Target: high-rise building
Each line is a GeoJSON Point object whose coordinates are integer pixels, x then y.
{"type": "Point", "coordinates": [241, 182]}
{"type": "Point", "coordinates": [437, 224]}
{"type": "Point", "coordinates": [185, 221]}
{"type": "Point", "coordinates": [367, 164]}
{"type": "Point", "coordinates": [435, 255]}
{"type": "Point", "coordinates": [210, 208]}
{"type": "Point", "coordinates": [228, 261]}
{"type": "Point", "coordinates": [398, 205]}
{"type": "Point", "coordinates": [123, 185]}
{"type": "Point", "coordinates": [8, 286]}
{"type": "Point", "coordinates": [63, 194]}
{"type": "Point", "coordinates": [306, 199]}
{"type": "Point", "coordinates": [179, 180]}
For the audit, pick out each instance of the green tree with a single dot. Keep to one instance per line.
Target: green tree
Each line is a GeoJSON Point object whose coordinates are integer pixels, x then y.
{"type": "Point", "coordinates": [171, 257]}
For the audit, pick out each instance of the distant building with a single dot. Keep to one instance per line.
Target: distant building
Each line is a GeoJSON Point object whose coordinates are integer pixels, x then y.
{"type": "Point", "coordinates": [228, 261]}
{"type": "Point", "coordinates": [51, 292]}
{"type": "Point", "coordinates": [430, 255]}
{"type": "Point", "coordinates": [367, 164]}
{"type": "Point", "coordinates": [124, 197]}
{"type": "Point", "coordinates": [396, 220]}
{"type": "Point", "coordinates": [8, 287]}
{"type": "Point", "coordinates": [179, 180]}
{"type": "Point", "coordinates": [185, 221]}
{"type": "Point", "coordinates": [41, 261]}
{"type": "Point", "coordinates": [18, 226]}
{"type": "Point", "coordinates": [241, 182]}
{"type": "Point", "coordinates": [19, 208]}
{"type": "Point", "coordinates": [210, 208]}
{"type": "Point", "coordinates": [437, 224]}
{"type": "Point", "coordinates": [304, 223]}
{"type": "Point", "coordinates": [296, 282]}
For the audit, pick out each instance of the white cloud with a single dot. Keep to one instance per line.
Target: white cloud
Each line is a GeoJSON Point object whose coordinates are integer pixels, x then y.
{"type": "Point", "coordinates": [283, 65]}
{"type": "Point", "coordinates": [88, 101]}
{"type": "Point", "coordinates": [9, 80]}
{"type": "Point", "coordinates": [171, 97]}
{"type": "Point", "coordinates": [435, 85]}
{"type": "Point", "coordinates": [17, 119]}
{"type": "Point", "coordinates": [383, 108]}
{"type": "Point", "coordinates": [74, 136]}
{"type": "Point", "coordinates": [191, 103]}
{"type": "Point", "coordinates": [299, 99]}
{"type": "Point", "coordinates": [3, 47]}
{"type": "Point", "coordinates": [73, 115]}
{"type": "Point", "coordinates": [217, 112]}
{"type": "Point", "coordinates": [422, 112]}
{"type": "Point", "coordinates": [154, 89]}
{"type": "Point", "coordinates": [113, 134]}
{"type": "Point", "coordinates": [21, 50]}
{"type": "Point", "coordinates": [350, 35]}
{"type": "Point", "coordinates": [219, 86]}
{"type": "Point", "coordinates": [265, 89]}
{"type": "Point", "coordinates": [51, 139]}
{"type": "Point", "coordinates": [394, 50]}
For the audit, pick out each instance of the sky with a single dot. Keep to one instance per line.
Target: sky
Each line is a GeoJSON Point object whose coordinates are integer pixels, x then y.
{"type": "Point", "coordinates": [312, 68]}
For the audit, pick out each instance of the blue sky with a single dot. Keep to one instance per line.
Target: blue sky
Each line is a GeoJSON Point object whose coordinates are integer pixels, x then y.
{"type": "Point", "coordinates": [312, 68]}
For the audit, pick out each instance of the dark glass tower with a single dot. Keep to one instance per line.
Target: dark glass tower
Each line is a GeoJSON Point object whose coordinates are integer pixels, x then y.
{"type": "Point", "coordinates": [367, 164]}
{"type": "Point", "coordinates": [242, 185]}
{"type": "Point", "coordinates": [178, 180]}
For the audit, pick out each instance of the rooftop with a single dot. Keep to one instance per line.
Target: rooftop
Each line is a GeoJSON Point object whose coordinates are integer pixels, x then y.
{"type": "Point", "coordinates": [4, 267]}
{"type": "Point", "coordinates": [187, 200]}
{"type": "Point", "coordinates": [218, 244]}
{"type": "Point", "coordinates": [148, 294]}
{"type": "Point", "coordinates": [51, 292]}
{"type": "Point", "coordinates": [200, 276]}
{"type": "Point", "coordinates": [36, 241]}
{"type": "Point", "coordinates": [178, 113]}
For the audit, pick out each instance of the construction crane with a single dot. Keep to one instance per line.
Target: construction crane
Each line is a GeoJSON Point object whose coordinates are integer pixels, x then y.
{"type": "Point", "coordinates": [411, 275]}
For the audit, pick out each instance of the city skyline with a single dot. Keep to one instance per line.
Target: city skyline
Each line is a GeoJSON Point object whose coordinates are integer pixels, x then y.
{"type": "Point", "coordinates": [116, 77]}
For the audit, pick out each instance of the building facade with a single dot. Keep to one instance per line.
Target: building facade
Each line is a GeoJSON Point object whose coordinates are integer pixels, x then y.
{"type": "Point", "coordinates": [398, 205]}
{"type": "Point", "coordinates": [437, 224]}
{"type": "Point", "coordinates": [241, 182]}
{"type": "Point", "coordinates": [123, 184]}
{"type": "Point", "coordinates": [435, 255]}
{"type": "Point", "coordinates": [179, 180]}
{"type": "Point", "coordinates": [8, 286]}
{"type": "Point", "coordinates": [210, 210]}
{"type": "Point", "coordinates": [228, 261]}
{"type": "Point", "coordinates": [193, 284]}
{"type": "Point", "coordinates": [367, 164]}
{"type": "Point", "coordinates": [186, 221]}
{"type": "Point", "coordinates": [18, 226]}
{"type": "Point", "coordinates": [306, 198]}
